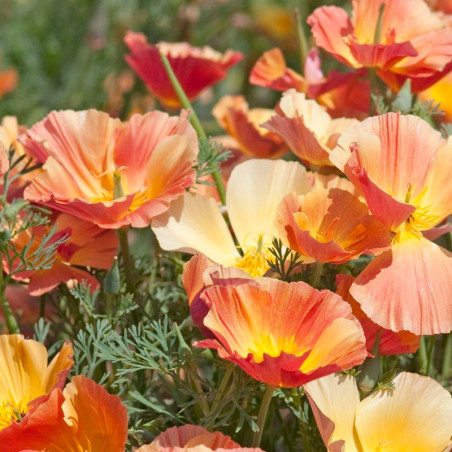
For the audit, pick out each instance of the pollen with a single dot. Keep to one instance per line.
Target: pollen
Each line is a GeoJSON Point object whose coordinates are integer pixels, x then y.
{"type": "Point", "coordinates": [255, 258]}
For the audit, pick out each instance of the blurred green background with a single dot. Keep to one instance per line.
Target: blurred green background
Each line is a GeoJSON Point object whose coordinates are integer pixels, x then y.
{"type": "Point", "coordinates": [69, 54]}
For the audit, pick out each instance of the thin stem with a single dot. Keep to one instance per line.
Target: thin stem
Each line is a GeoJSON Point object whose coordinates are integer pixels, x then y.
{"type": "Point", "coordinates": [10, 320]}
{"type": "Point", "coordinates": [126, 259]}
{"type": "Point", "coordinates": [422, 353]}
{"type": "Point", "coordinates": [302, 41]}
{"type": "Point", "coordinates": [446, 370]}
{"type": "Point", "coordinates": [202, 401]}
{"type": "Point", "coordinates": [195, 122]}
{"type": "Point", "coordinates": [262, 416]}
{"type": "Point", "coordinates": [317, 274]}
{"type": "Point", "coordinates": [220, 391]}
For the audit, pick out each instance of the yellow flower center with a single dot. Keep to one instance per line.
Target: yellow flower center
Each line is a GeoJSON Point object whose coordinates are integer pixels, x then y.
{"type": "Point", "coordinates": [11, 412]}
{"type": "Point", "coordinates": [423, 218]}
{"type": "Point", "coordinates": [268, 345]}
{"type": "Point", "coordinates": [254, 259]}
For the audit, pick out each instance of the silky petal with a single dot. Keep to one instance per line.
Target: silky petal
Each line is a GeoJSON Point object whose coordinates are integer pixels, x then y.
{"type": "Point", "coordinates": [334, 400]}
{"type": "Point", "coordinates": [193, 224]}
{"type": "Point", "coordinates": [388, 419]}
{"type": "Point", "coordinates": [147, 132]}
{"type": "Point", "coordinates": [330, 25]}
{"type": "Point", "coordinates": [421, 300]}
{"type": "Point", "coordinates": [101, 417]}
{"type": "Point", "coordinates": [26, 375]}
{"type": "Point", "coordinates": [189, 436]}
{"type": "Point", "coordinates": [271, 71]}
{"type": "Point", "coordinates": [42, 281]}
{"type": "Point", "coordinates": [81, 142]}
{"type": "Point", "coordinates": [391, 343]}
{"type": "Point", "coordinates": [254, 191]}
{"type": "Point", "coordinates": [303, 125]}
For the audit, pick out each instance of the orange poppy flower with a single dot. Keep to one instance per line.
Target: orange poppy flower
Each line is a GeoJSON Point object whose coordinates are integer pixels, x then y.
{"type": "Point", "coordinates": [8, 81]}
{"type": "Point", "coordinates": [307, 128]}
{"type": "Point", "coordinates": [283, 334]}
{"type": "Point", "coordinates": [330, 225]}
{"type": "Point", "coordinates": [83, 417]}
{"type": "Point", "coordinates": [193, 438]}
{"type": "Point", "coordinates": [403, 168]}
{"type": "Point", "coordinates": [196, 68]}
{"type": "Point", "coordinates": [108, 172]}
{"type": "Point", "coordinates": [245, 125]}
{"type": "Point", "coordinates": [387, 419]}
{"type": "Point", "coordinates": [391, 343]}
{"type": "Point", "coordinates": [406, 41]}
{"type": "Point", "coordinates": [87, 246]}
{"type": "Point", "coordinates": [344, 95]}
{"type": "Point", "coordinates": [26, 376]}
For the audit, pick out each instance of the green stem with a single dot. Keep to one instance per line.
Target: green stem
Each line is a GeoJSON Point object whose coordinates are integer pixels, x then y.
{"type": "Point", "coordinates": [317, 274]}
{"type": "Point", "coordinates": [10, 320]}
{"type": "Point", "coordinates": [220, 391]}
{"type": "Point", "coordinates": [126, 259]}
{"type": "Point", "coordinates": [422, 353]}
{"type": "Point", "coordinates": [302, 41]}
{"type": "Point", "coordinates": [262, 416]}
{"type": "Point", "coordinates": [446, 370]}
{"type": "Point", "coordinates": [195, 122]}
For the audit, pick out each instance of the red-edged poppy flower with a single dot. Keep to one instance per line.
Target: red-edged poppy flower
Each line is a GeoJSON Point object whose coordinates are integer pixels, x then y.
{"type": "Point", "coordinates": [283, 334]}
{"type": "Point", "coordinates": [83, 417]}
{"type": "Point", "coordinates": [26, 376]}
{"type": "Point", "coordinates": [404, 40]}
{"type": "Point", "coordinates": [194, 223]}
{"type": "Point", "coordinates": [414, 415]}
{"type": "Point", "coordinates": [344, 95]}
{"type": "Point", "coordinates": [403, 168]}
{"type": "Point", "coordinates": [391, 343]}
{"type": "Point", "coordinates": [307, 128]}
{"type": "Point", "coordinates": [87, 245]}
{"type": "Point", "coordinates": [330, 225]}
{"type": "Point", "coordinates": [245, 125]}
{"type": "Point", "coordinates": [193, 438]}
{"type": "Point", "coordinates": [111, 173]}
{"type": "Point", "coordinates": [196, 68]}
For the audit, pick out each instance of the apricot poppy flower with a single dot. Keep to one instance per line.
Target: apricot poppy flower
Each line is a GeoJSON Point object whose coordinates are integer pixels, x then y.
{"type": "Point", "coordinates": [194, 223]}
{"type": "Point", "coordinates": [111, 173]}
{"type": "Point", "coordinates": [403, 168]}
{"type": "Point", "coordinates": [307, 128]}
{"type": "Point", "coordinates": [244, 124]}
{"type": "Point", "coordinates": [196, 68]}
{"type": "Point", "coordinates": [342, 94]}
{"type": "Point", "coordinates": [414, 415]}
{"type": "Point", "coordinates": [83, 417]}
{"type": "Point", "coordinates": [406, 41]}
{"type": "Point", "coordinates": [283, 334]}
{"type": "Point", "coordinates": [193, 438]}
{"type": "Point", "coordinates": [87, 245]}
{"type": "Point", "coordinates": [330, 225]}
{"type": "Point", "coordinates": [26, 376]}
{"type": "Point", "coordinates": [391, 343]}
